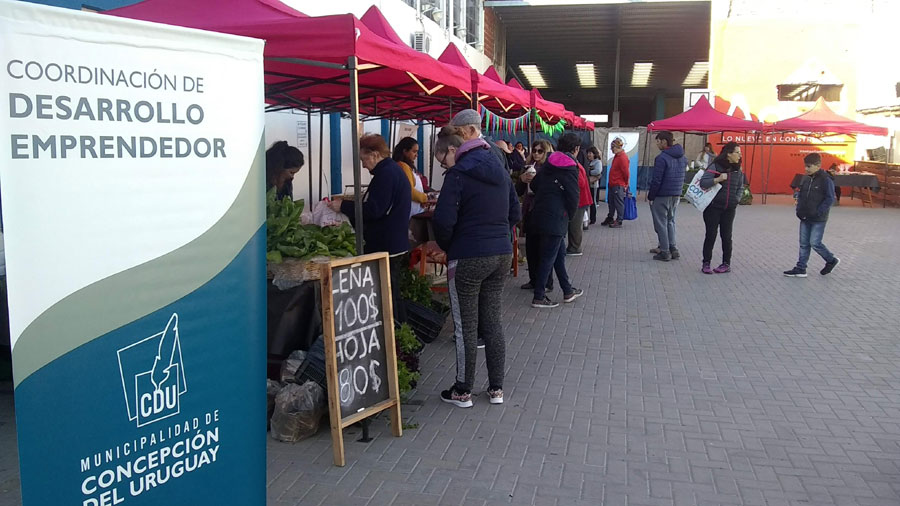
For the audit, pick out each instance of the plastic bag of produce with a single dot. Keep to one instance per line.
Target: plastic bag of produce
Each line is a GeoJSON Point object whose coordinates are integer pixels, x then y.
{"type": "Point", "coordinates": [290, 365]}
{"type": "Point", "coordinates": [272, 389]}
{"type": "Point", "coordinates": [298, 411]}
{"type": "Point", "coordinates": [324, 216]}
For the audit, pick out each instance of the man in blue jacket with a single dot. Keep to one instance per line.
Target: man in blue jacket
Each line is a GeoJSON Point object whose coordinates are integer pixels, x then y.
{"type": "Point", "coordinates": [665, 193]}
{"type": "Point", "coordinates": [814, 201]}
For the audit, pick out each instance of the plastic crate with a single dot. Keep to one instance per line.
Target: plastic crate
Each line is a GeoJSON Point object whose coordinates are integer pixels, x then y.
{"type": "Point", "coordinates": [313, 367]}
{"type": "Point", "coordinates": [426, 322]}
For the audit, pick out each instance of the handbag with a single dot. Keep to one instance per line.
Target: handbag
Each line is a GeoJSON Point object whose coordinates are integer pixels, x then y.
{"type": "Point", "coordinates": [630, 207]}
{"type": "Point", "coordinates": [697, 195]}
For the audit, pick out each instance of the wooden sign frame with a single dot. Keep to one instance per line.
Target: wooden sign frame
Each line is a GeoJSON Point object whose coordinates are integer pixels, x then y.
{"type": "Point", "coordinates": [334, 402]}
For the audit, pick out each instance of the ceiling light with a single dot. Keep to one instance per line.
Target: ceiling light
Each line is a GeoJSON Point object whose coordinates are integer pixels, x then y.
{"type": "Point", "coordinates": [586, 75]}
{"type": "Point", "coordinates": [696, 75]}
{"type": "Point", "coordinates": [533, 75]}
{"type": "Point", "coordinates": [640, 76]}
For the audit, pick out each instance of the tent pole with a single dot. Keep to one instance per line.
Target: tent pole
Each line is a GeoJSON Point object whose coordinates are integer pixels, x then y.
{"type": "Point", "coordinates": [431, 162]}
{"type": "Point", "coordinates": [768, 172]}
{"type": "Point", "coordinates": [753, 158]}
{"type": "Point", "coordinates": [321, 149]}
{"type": "Point", "coordinates": [309, 146]}
{"type": "Point", "coordinates": [354, 142]}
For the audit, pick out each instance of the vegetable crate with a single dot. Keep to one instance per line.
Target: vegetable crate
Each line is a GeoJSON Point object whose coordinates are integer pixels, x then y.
{"type": "Point", "coordinates": [425, 321]}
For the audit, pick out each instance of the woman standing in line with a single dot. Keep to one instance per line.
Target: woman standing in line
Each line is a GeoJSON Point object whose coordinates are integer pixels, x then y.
{"type": "Point", "coordinates": [718, 216]}
{"type": "Point", "coordinates": [405, 153]}
{"type": "Point", "coordinates": [595, 170]}
{"type": "Point", "coordinates": [472, 221]}
{"type": "Point", "coordinates": [539, 153]}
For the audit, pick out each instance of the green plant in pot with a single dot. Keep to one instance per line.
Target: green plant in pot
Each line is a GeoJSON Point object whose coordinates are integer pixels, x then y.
{"type": "Point", "coordinates": [408, 349]}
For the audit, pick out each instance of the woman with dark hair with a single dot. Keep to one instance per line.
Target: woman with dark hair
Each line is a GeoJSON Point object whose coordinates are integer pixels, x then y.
{"type": "Point", "coordinates": [595, 170]}
{"type": "Point", "coordinates": [540, 151]}
{"type": "Point", "coordinates": [282, 163]}
{"type": "Point", "coordinates": [472, 222]}
{"type": "Point", "coordinates": [405, 153]}
{"type": "Point", "coordinates": [718, 216]}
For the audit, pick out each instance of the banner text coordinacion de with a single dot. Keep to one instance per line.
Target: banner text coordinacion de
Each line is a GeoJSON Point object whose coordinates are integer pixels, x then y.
{"type": "Point", "coordinates": [25, 146]}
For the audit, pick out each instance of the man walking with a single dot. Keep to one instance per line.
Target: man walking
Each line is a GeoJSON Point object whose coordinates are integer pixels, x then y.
{"type": "Point", "coordinates": [814, 200]}
{"type": "Point", "coordinates": [665, 193]}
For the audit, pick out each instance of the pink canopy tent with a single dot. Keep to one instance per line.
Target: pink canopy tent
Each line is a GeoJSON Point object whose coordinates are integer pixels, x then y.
{"type": "Point", "coordinates": [491, 73]}
{"type": "Point", "coordinates": [308, 59]}
{"type": "Point", "coordinates": [703, 118]}
{"type": "Point", "coordinates": [496, 96]}
{"type": "Point", "coordinates": [822, 120]}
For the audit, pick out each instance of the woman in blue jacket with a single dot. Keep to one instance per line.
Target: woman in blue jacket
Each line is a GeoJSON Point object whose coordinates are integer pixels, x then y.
{"type": "Point", "coordinates": [473, 220]}
{"type": "Point", "coordinates": [385, 209]}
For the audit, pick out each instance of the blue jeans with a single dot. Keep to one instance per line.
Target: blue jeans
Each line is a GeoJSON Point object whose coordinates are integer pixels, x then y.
{"type": "Point", "coordinates": [811, 233]}
{"type": "Point", "coordinates": [551, 256]}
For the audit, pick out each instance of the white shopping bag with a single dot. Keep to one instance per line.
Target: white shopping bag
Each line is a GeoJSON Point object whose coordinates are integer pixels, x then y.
{"type": "Point", "coordinates": [698, 196]}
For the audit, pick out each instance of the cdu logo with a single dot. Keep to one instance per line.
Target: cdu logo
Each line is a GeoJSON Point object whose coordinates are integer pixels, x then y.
{"type": "Point", "coordinates": [152, 373]}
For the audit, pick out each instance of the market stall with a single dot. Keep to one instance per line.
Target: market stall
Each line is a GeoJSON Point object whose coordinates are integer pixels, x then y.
{"type": "Point", "coordinates": [821, 121]}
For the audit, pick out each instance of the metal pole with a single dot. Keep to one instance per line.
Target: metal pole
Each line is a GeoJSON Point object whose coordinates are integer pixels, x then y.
{"type": "Point", "coordinates": [615, 118]}
{"type": "Point", "coordinates": [354, 142]}
{"type": "Point", "coordinates": [321, 149]}
{"type": "Point", "coordinates": [765, 197]}
{"type": "Point", "coordinates": [431, 158]}
{"type": "Point", "coordinates": [309, 152]}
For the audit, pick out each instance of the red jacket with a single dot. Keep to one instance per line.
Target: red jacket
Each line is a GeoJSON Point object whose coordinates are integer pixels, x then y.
{"type": "Point", "coordinates": [618, 173]}
{"type": "Point", "coordinates": [584, 188]}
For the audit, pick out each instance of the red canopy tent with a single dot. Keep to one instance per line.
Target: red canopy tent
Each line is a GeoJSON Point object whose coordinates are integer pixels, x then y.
{"type": "Point", "coordinates": [822, 120]}
{"type": "Point", "coordinates": [491, 73]}
{"type": "Point", "coordinates": [308, 59]}
{"type": "Point", "coordinates": [507, 101]}
{"type": "Point", "coordinates": [703, 118]}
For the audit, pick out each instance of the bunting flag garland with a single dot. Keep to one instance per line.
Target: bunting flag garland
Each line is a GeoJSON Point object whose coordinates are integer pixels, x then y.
{"type": "Point", "coordinates": [495, 123]}
{"type": "Point", "coordinates": [551, 130]}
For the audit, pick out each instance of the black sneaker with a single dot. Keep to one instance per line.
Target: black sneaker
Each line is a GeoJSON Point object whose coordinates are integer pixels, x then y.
{"type": "Point", "coordinates": [527, 286]}
{"type": "Point", "coordinates": [796, 272]}
{"type": "Point", "coordinates": [674, 253]}
{"type": "Point", "coordinates": [480, 344]}
{"type": "Point", "coordinates": [616, 224]}
{"type": "Point", "coordinates": [459, 399]}
{"type": "Point", "coordinates": [663, 256]}
{"type": "Point", "coordinates": [606, 222]}
{"type": "Point", "coordinates": [576, 292]}
{"type": "Point", "coordinates": [545, 303]}
{"type": "Point", "coordinates": [829, 266]}
{"type": "Point", "coordinates": [574, 253]}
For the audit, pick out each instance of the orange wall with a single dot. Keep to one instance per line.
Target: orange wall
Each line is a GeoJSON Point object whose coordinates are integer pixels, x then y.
{"type": "Point", "coordinates": [749, 57]}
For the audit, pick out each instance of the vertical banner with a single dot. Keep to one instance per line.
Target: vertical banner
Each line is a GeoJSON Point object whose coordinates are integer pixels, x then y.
{"type": "Point", "coordinates": [133, 213]}
{"type": "Point", "coordinates": [631, 145]}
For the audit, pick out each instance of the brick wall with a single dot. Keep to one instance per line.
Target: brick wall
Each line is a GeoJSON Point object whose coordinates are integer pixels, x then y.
{"type": "Point", "coordinates": [491, 29]}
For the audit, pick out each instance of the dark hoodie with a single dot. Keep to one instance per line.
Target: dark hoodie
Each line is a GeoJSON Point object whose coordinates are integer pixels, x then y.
{"type": "Point", "coordinates": [732, 189]}
{"type": "Point", "coordinates": [668, 173]}
{"type": "Point", "coordinates": [555, 196]}
{"type": "Point", "coordinates": [477, 207]}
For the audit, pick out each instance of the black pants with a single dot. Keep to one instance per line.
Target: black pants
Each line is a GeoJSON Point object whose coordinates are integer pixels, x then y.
{"type": "Point", "coordinates": [533, 258]}
{"type": "Point", "coordinates": [595, 192]}
{"type": "Point", "coordinates": [397, 262]}
{"type": "Point", "coordinates": [721, 221]}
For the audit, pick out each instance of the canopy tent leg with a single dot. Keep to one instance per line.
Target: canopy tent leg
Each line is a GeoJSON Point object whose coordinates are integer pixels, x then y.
{"type": "Point", "coordinates": [354, 144]}
{"type": "Point", "coordinates": [431, 158]}
{"type": "Point", "coordinates": [321, 150]}
{"type": "Point", "coordinates": [768, 172]}
{"type": "Point", "coordinates": [752, 158]}
{"type": "Point", "coordinates": [309, 146]}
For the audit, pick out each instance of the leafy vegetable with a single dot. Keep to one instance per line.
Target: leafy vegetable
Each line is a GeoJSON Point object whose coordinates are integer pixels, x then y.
{"type": "Point", "coordinates": [415, 287]}
{"type": "Point", "coordinates": [286, 237]}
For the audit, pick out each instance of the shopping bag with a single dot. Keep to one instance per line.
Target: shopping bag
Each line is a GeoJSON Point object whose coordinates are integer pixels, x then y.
{"type": "Point", "coordinates": [630, 207]}
{"type": "Point", "coordinates": [698, 196]}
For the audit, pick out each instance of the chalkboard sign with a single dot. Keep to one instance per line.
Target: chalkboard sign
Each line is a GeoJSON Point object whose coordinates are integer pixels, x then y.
{"type": "Point", "coordinates": [360, 356]}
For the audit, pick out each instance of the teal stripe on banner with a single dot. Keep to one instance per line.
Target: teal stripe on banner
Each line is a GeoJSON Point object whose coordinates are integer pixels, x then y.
{"type": "Point", "coordinates": [131, 294]}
